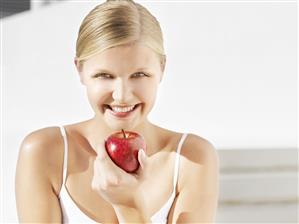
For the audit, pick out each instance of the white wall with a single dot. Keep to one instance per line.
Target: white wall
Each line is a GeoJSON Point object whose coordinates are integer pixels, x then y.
{"type": "Point", "coordinates": [231, 72]}
{"type": "Point", "coordinates": [230, 75]}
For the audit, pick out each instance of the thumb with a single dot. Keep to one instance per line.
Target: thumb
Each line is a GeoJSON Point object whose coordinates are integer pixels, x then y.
{"type": "Point", "coordinates": [101, 151]}
{"type": "Point", "coordinates": [142, 158]}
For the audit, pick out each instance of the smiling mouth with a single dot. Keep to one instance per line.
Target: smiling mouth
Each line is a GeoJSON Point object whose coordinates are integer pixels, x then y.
{"type": "Point", "coordinates": [121, 112]}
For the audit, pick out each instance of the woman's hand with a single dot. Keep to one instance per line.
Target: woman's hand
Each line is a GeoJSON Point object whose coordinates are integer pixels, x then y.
{"type": "Point", "coordinates": [115, 185]}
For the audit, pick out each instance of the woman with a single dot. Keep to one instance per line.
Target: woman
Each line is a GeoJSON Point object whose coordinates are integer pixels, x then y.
{"type": "Point", "coordinates": [65, 175]}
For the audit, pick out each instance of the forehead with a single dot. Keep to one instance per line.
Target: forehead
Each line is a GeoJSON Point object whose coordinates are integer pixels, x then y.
{"type": "Point", "coordinates": [124, 58]}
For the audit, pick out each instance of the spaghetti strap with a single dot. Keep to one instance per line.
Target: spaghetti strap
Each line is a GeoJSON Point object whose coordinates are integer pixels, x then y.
{"type": "Point", "coordinates": [177, 160]}
{"type": "Point", "coordinates": [63, 133]}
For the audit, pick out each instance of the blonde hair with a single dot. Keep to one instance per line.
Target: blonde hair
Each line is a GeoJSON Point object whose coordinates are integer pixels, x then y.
{"type": "Point", "coordinates": [115, 23]}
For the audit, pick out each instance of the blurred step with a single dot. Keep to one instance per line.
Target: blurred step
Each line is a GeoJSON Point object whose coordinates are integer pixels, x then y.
{"type": "Point", "coordinates": [258, 187]}
{"type": "Point", "coordinates": [251, 160]}
{"type": "Point", "coordinates": [254, 213]}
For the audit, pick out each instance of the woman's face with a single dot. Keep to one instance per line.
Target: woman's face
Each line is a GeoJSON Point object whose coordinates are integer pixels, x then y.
{"type": "Point", "coordinates": [121, 84]}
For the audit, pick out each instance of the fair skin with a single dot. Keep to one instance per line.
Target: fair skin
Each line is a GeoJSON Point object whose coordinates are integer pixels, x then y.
{"type": "Point", "coordinates": [132, 76]}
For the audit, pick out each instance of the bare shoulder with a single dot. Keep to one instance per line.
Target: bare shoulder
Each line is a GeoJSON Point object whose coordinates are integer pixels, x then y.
{"type": "Point", "coordinates": [44, 149]}
{"type": "Point", "coordinates": [42, 142]}
{"type": "Point", "coordinates": [195, 148]}
{"type": "Point", "coordinates": [37, 176]}
{"type": "Point", "coordinates": [198, 157]}
{"type": "Point", "coordinates": [199, 150]}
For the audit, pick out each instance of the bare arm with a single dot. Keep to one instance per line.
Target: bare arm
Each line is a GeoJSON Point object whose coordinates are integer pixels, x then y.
{"type": "Point", "coordinates": [197, 201]}
{"type": "Point", "coordinates": [35, 197]}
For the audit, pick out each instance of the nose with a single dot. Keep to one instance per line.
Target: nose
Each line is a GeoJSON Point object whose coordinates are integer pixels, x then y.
{"type": "Point", "coordinates": [122, 93]}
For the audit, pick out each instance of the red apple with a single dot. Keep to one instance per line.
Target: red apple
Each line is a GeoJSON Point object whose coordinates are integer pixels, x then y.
{"type": "Point", "coordinates": [123, 147]}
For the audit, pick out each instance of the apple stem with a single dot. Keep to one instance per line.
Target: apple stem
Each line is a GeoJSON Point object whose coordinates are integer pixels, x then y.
{"type": "Point", "coordinates": [123, 133]}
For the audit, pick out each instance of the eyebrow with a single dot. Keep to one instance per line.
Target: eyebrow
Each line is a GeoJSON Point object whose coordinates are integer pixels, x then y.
{"type": "Point", "coordinates": [100, 70]}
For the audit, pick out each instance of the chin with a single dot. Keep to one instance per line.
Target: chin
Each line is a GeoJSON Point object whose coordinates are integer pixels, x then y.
{"type": "Point", "coordinates": [117, 126]}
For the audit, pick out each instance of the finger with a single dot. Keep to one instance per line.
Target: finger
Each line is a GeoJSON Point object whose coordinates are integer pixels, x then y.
{"type": "Point", "coordinates": [104, 177]}
{"type": "Point", "coordinates": [108, 167]}
{"type": "Point", "coordinates": [113, 180]}
{"type": "Point", "coordinates": [101, 151]}
{"type": "Point", "coordinates": [104, 164]}
{"type": "Point", "coordinates": [103, 156]}
{"type": "Point", "coordinates": [142, 158]}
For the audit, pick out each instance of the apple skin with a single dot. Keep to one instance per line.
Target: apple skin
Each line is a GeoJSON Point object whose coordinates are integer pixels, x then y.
{"type": "Point", "coordinates": [123, 150]}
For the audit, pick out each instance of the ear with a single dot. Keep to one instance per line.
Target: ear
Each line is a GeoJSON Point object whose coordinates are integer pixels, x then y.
{"type": "Point", "coordinates": [79, 69]}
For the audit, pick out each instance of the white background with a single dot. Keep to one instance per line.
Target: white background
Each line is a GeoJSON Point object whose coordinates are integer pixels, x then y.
{"type": "Point", "coordinates": [230, 75]}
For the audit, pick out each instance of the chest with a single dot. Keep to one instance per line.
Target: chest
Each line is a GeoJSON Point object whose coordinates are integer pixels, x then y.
{"type": "Point", "coordinates": [158, 186]}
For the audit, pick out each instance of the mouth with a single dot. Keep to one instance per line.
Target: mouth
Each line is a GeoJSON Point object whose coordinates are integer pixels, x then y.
{"type": "Point", "coordinates": [121, 112]}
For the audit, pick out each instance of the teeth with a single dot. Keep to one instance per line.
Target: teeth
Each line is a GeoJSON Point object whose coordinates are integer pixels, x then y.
{"type": "Point", "coordinates": [122, 109]}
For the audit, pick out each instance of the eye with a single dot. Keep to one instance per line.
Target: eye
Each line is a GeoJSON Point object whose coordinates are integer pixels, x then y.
{"type": "Point", "coordinates": [139, 74]}
{"type": "Point", "coordinates": [103, 76]}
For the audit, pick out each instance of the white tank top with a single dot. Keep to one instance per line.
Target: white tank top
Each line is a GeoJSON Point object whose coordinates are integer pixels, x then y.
{"type": "Point", "coordinates": [72, 214]}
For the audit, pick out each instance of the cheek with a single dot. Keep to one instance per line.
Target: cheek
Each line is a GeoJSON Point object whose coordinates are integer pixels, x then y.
{"type": "Point", "coordinates": [96, 92]}
{"type": "Point", "coordinates": [147, 91]}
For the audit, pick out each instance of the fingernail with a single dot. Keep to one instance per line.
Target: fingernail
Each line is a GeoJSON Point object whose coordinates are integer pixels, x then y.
{"type": "Point", "coordinates": [143, 153]}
